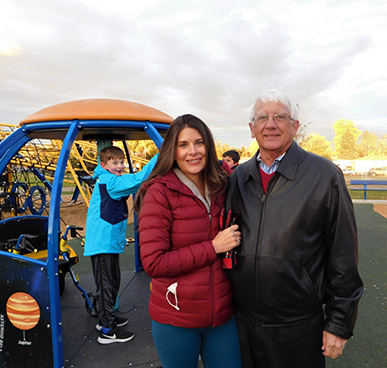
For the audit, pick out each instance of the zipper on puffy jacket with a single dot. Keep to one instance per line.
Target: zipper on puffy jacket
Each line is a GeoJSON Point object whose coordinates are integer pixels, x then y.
{"type": "Point", "coordinates": [211, 276]}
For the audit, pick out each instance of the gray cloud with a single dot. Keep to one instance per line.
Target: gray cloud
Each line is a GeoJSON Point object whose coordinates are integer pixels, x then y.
{"type": "Point", "coordinates": [194, 57]}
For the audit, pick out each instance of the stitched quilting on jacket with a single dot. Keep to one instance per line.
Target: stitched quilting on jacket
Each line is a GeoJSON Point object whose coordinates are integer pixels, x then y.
{"type": "Point", "coordinates": [176, 232]}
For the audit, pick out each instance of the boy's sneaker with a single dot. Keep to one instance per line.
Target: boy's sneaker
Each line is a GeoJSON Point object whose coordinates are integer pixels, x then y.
{"type": "Point", "coordinates": [119, 321]}
{"type": "Point", "coordinates": [114, 335]}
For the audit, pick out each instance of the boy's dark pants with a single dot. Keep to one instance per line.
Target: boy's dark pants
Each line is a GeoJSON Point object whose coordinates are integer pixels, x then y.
{"type": "Point", "coordinates": [107, 276]}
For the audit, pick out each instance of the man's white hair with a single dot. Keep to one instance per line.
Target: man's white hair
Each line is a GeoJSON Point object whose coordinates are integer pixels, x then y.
{"type": "Point", "coordinates": [274, 95]}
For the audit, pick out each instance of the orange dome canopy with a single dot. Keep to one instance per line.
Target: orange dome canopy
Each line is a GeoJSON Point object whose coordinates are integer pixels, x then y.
{"type": "Point", "coordinates": [98, 109]}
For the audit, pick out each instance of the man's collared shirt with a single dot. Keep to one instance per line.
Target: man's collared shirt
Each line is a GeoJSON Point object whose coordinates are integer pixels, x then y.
{"type": "Point", "coordinates": [270, 169]}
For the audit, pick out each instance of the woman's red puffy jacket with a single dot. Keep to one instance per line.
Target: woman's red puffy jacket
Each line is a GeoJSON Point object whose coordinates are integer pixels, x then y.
{"type": "Point", "coordinates": [176, 233]}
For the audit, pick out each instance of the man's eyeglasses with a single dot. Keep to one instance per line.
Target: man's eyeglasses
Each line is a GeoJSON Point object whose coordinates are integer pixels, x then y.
{"type": "Point", "coordinates": [278, 118]}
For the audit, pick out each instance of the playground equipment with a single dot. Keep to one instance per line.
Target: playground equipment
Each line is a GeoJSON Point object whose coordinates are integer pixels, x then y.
{"type": "Point", "coordinates": [36, 162]}
{"type": "Point", "coordinates": [30, 310]}
{"type": "Point", "coordinates": [67, 254]}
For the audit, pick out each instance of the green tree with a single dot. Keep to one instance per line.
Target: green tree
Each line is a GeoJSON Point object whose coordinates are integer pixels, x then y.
{"type": "Point", "coordinates": [382, 150]}
{"type": "Point", "coordinates": [221, 148]}
{"type": "Point", "coordinates": [368, 145]}
{"type": "Point", "coordinates": [253, 148]}
{"type": "Point", "coordinates": [317, 144]}
{"type": "Point", "coordinates": [243, 151]}
{"type": "Point", "coordinates": [345, 140]}
{"type": "Point", "coordinates": [143, 148]}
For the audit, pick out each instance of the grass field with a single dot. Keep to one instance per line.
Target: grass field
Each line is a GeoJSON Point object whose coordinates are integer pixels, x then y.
{"type": "Point", "coordinates": [357, 194]}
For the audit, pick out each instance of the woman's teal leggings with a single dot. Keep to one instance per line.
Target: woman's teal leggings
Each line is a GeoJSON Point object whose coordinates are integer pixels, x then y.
{"type": "Point", "coordinates": [180, 347]}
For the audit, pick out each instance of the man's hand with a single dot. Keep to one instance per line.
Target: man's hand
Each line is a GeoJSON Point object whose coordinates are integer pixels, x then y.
{"type": "Point", "coordinates": [332, 345]}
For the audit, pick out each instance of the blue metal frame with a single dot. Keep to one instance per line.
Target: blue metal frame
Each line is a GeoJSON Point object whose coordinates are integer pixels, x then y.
{"type": "Point", "coordinates": [153, 134]}
{"type": "Point", "coordinates": [158, 139]}
{"type": "Point", "coordinates": [18, 137]}
{"type": "Point", "coordinates": [10, 146]}
{"type": "Point", "coordinates": [22, 258]}
{"type": "Point", "coordinates": [53, 246]}
{"type": "Point", "coordinates": [64, 124]}
{"type": "Point", "coordinates": [42, 178]}
{"type": "Point", "coordinates": [9, 149]}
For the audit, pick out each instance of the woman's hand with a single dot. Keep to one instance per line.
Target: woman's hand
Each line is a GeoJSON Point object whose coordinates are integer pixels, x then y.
{"type": "Point", "coordinates": [227, 239]}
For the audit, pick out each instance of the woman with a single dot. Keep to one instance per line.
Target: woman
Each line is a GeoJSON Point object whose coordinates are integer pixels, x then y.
{"type": "Point", "coordinates": [180, 240]}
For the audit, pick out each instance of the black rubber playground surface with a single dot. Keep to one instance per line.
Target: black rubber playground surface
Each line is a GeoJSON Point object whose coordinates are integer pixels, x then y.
{"type": "Point", "coordinates": [366, 349]}
{"type": "Point", "coordinates": [80, 345]}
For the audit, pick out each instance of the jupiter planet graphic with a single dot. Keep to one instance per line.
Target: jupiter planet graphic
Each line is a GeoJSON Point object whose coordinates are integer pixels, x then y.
{"type": "Point", "coordinates": [23, 311]}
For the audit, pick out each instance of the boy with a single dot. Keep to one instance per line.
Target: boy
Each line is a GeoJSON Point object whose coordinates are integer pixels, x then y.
{"type": "Point", "coordinates": [232, 158]}
{"type": "Point", "coordinates": [106, 224]}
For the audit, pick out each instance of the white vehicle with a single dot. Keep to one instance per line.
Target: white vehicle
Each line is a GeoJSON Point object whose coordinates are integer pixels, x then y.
{"type": "Point", "coordinates": [348, 171]}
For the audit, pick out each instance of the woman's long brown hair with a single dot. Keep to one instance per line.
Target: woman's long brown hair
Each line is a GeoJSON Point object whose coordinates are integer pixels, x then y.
{"type": "Point", "coordinates": [215, 178]}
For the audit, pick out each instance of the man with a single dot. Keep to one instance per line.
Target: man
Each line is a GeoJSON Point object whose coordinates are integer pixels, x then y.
{"type": "Point", "coordinates": [296, 282]}
{"type": "Point", "coordinates": [232, 158]}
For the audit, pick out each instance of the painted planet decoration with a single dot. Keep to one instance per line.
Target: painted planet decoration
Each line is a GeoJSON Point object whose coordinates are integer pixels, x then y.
{"type": "Point", "coordinates": [23, 311]}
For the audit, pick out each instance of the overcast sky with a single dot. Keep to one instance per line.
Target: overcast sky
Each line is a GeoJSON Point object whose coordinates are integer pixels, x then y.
{"type": "Point", "coordinates": [206, 57]}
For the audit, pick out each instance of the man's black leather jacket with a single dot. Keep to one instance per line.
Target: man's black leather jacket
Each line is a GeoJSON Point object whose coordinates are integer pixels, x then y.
{"type": "Point", "coordinates": [299, 243]}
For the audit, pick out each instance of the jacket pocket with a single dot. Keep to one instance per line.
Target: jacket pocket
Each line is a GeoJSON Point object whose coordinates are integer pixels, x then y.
{"type": "Point", "coordinates": [285, 290]}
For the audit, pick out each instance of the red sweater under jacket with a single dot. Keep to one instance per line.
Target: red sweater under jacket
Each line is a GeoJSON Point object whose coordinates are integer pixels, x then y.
{"type": "Point", "coordinates": [176, 233]}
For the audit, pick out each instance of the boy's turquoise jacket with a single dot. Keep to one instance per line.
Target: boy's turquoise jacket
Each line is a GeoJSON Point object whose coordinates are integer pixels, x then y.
{"type": "Point", "coordinates": [107, 217]}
